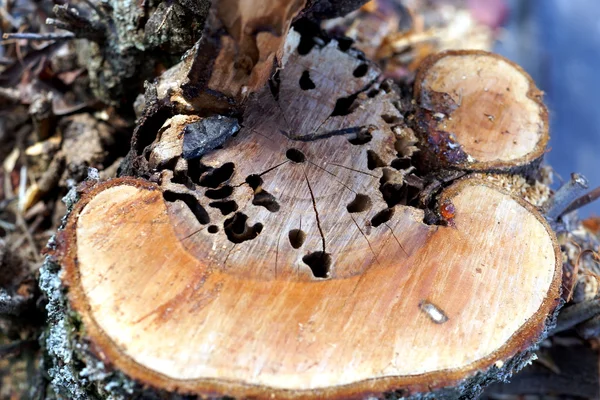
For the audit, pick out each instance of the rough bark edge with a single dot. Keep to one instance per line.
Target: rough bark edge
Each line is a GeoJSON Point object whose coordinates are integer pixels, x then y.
{"type": "Point", "coordinates": [533, 93]}
{"type": "Point", "coordinates": [66, 343]}
{"type": "Point", "coordinates": [66, 359]}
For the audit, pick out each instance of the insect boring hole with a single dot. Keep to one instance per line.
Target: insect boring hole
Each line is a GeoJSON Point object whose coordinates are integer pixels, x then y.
{"type": "Point", "coordinates": [261, 196]}
{"type": "Point", "coordinates": [361, 70]}
{"type": "Point", "coordinates": [382, 217]}
{"type": "Point", "coordinates": [192, 204]}
{"type": "Point", "coordinates": [305, 82]}
{"type": "Point", "coordinates": [360, 203]}
{"type": "Point", "coordinates": [374, 160]}
{"type": "Point", "coordinates": [237, 229]}
{"type": "Point", "coordinates": [295, 155]}
{"type": "Point", "coordinates": [297, 237]}
{"type": "Point", "coordinates": [225, 206]}
{"type": "Point", "coordinates": [217, 176]}
{"type": "Point", "coordinates": [319, 263]}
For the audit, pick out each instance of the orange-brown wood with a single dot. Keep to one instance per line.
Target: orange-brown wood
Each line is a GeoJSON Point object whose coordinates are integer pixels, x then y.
{"type": "Point", "coordinates": [448, 303]}
{"type": "Point", "coordinates": [479, 111]}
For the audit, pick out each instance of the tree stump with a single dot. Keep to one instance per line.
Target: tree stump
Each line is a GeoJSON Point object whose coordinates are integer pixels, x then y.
{"type": "Point", "coordinates": [282, 256]}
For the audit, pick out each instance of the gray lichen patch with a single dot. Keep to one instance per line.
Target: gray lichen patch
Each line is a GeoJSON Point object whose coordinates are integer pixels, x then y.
{"type": "Point", "coordinates": [56, 341]}
{"type": "Point", "coordinates": [75, 373]}
{"type": "Point", "coordinates": [73, 370]}
{"type": "Point", "coordinates": [174, 27]}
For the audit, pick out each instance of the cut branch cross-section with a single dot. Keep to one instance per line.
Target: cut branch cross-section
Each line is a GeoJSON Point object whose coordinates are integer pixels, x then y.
{"type": "Point", "coordinates": [479, 111]}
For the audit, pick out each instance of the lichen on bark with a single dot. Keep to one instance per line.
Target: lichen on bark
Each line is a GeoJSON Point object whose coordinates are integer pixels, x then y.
{"type": "Point", "coordinates": [135, 40]}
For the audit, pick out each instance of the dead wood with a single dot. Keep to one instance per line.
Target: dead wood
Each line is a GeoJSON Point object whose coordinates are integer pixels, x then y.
{"type": "Point", "coordinates": [279, 256]}
{"type": "Point", "coordinates": [285, 224]}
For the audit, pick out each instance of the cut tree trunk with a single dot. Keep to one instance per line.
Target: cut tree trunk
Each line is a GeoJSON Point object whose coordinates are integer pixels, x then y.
{"type": "Point", "coordinates": [479, 111]}
{"type": "Point", "coordinates": [282, 256]}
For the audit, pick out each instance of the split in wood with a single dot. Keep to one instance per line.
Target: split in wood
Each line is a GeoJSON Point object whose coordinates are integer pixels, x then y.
{"type": "Point", "coordinates": [239, 47]}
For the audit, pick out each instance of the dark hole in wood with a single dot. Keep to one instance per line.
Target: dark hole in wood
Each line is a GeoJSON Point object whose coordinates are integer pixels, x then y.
{"type": "Point", "coordinates": [372, 93]}
{"type": "Point", "coordinates": [387, 85]}
{"type": "Point", "coordinates": [387, 175]}
{"type": "Point", "coordinates": [393, 193]}
{"type": "Point", "coordinates": [148, 128]}
{"type": "Point", "coordinates": [344, 106]}
{"type": "Point", "coordinates": [344, 43]}
{"type": "Point", "coordinates": [275, 85]}
{"type": "Point", "coordinates": [190, 201]}
{"type": "Point", "coordinates": [306, 45]}
{"type": "Point", "coordinates": [226, 207]}
{"type": "Point", "coordinates": [308, 30]}
{"type": "Point", "coordinates": [363, 136]}
{"type": "Point", "coordinates": [361, 203]}
{"type": "Point", "coordinates": [401, 163]}
{"type": "Point", "coordinates": [374, 161]}
{"type": "Point", "coordinates": [146, 152]}
{"type": "Point", "coordinates": [254, 181]}
{"type": "Point", "coordinates": [266, 200]}
{"type": "Point", "coordinates": [296, 238]}
{"type": "Point", "coordinates": [319, 263]}
{"type": "Point", "coordinates": [305, 82]}
{"type": "Point", "coordinates": [391, 119]}
{"type": "Point", "coordinates": [382, 217]}
{"type": "Point", "coordinates": [361, 70]}
{"type": "Point", "coordinates": [183, 179]}
{"type": "Point", "coordinates": [220, 193]}
{"type": "Point", "coordinates": [237, 229]}
{"type": "Point", "coordinates": [431, 218]}
{"type": "Point", "coordinates": [196, 169]}
{"type": "Point", "coordinates": [217, 176]}
{"type": "Point", "coordinates": [213, 229]}
{"type": "Point", "coordinates": [295, 155]}
{"type": "Point", "coordinates": [412, 193]}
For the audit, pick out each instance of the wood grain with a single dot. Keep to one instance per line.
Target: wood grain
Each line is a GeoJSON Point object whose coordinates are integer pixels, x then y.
{"type": "Point", "coordinates": [486, 107]}
{"type": "Point", "coordinates": [167, 317]}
